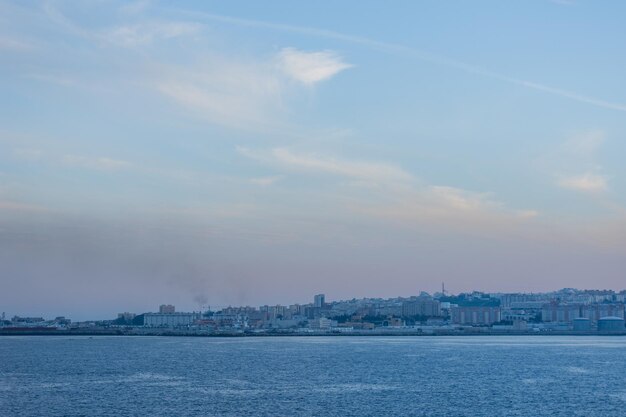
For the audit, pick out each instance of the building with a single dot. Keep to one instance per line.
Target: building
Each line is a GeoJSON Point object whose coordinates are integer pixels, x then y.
{"type": "Point", "coordinates": [595, 311]}
{"type": "Point", "coordinates": [170, 319]}
{"type": "Point", "coordinates": [560, 313]}
{"type": "Point", "coordinates": [582, 324]}
{"type": "Point", "coordinates": [611, 324]}
{"type": "Point", "coordinates": [476, 315]}
{"type": "Point", "coordinates": [510, 300]}
{"type": "Point", "coordinates": [322, 323]}
{"type": "Point", "coordinates": [126, 316]}
{"type": "Point", "coordinates": [282, 324]}
{"type": "Point", "coordinates": [393, 322]}
{"type": "Point", "coordinates": [166, 309]}
{"type": "Point", "coordinates": [421, 307]}
{"type": "Point", "coordinates": [232, 320]}
{"type": "Point", "coordinates": [319, 301]}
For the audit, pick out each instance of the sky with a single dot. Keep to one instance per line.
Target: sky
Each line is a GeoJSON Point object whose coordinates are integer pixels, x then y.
{"type": "Point", "coordinates": [247, 153]}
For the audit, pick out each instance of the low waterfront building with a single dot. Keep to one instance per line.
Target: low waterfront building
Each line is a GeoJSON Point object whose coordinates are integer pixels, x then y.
{"type": "Point", "coordinates": [170, 319]}
{"type": "Point", "coordinates": [611, 324]}
{"type": "Point", "coordinates": [233, 320]}
{"type": "Point", "coordinates": [393, 322]}
{"type": "Point", "coordinates": [581, 324]}
{"type": "Point", "coordinates": [283, 324]}
{"type": "Point", "coordinates": [322, 323]}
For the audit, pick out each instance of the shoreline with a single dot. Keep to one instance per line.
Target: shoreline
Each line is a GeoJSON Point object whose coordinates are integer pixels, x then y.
{"type": "Point", "coordinates": [195, 333]}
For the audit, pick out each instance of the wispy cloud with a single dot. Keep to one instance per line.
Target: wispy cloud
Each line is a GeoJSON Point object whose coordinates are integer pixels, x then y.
{"type": "Point", "coordinates": [386, 191]}
{"type": "Point", "coordinates": [146, 33]}
{"type": "Point", "coordinates": [324, 164]}
{"type": "Point", "coordinates": [135, 7]}
{"type": "Point", "coordinates": [130, 35]}
{"type": "Point", "coordinates": [569, 94]}
{"type": "Point", "coordinates": [246, 93]}
{"type": "Point", "coordinates": [413, 52]}
{"type": "Point", "coordinates": [459, 199]}
{"type": "Point", "coordinates": [586, 143]}
{"type": "Point", "coordinates": [18, 206]}
{"type": "Point", "coordinates": [589, 182]}
{"type": "Point", "coordinates": [50, 78]}
{"type": "Point", "coordinates": [575, 165]}
{"type": "Point", "coordinates": [228, 92]}
{"type": "Point", "coordinates": [445, 208]}
{"type": "Point", "coordinates": [310, 67]}
{"type": "Point", "coordinates": [100, 163]}
{"type": "Point", "coordinates": [28, 154]}
{"type": "Point", "coordinates": [14, 44]}
{"type": "Point", "coordinates": [265, 181]}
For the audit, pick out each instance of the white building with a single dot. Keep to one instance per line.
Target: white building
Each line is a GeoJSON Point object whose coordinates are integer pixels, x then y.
{"type": "Point", "coordinates": [322, 323]}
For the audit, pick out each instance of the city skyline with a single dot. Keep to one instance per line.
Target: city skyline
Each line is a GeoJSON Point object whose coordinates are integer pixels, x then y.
{"type": "Point", "coordinates": [214, 153]}
{"type": "Point", "coordinates": [584, 296]}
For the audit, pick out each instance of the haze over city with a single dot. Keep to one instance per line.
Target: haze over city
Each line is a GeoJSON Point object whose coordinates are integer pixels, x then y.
{"type": "Point", "coordinates": [216, 153]}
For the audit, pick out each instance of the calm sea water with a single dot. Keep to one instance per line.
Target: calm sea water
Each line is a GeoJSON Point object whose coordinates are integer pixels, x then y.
{"type": "Point", "coordinates": [313, 376]}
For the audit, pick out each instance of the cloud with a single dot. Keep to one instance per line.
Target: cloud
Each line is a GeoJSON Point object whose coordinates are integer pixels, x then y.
{"type": "Point", "coordinates": [101, 163]}
{"type": "Point", "coordinates": [586, 143]}
{"type": "Point", "coordinates": [574, 164]}
{"type": "Point", "coordinates": [458, 199]}
{"type": "Point", "coordinates": [14, 44]}
{"type": "Point", "coordinates": [50, 78]}
{"type": "Point", "coordinates": [245, 93]}
{"type": "Point", "coordinates": [414, 53]}
{"type": "Point", "coordinates": [147, 33]}
{"type": "Point", "coordinates": [131, 35]}
{"type": "Point", "coordinates": [265, 181]}
{"type": "Point", "coordinates": [568, 94]}
{"type": "Point", "coordinates": [444, 208]}
{"type": "Point", "coordinates": [387, 192]}
{"type": "Point", "coordinates": [588, 182]}
{"type": "Point", "coordinates": [135, 7]}
{"type": "Point", "coordinates": [17, 206]}
{"type": "Point", "coordinates": [28, 154]}
{"type": "Point", "coordinates": [527, 214]}
{"type": "Point", "coordinates": [314, 163]}
{"type": "Point", "coordinates": [310, 67]}
{"type": "Point", "coordinates": [233, 93]}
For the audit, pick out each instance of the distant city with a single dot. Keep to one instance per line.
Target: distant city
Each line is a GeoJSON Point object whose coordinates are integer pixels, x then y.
{"type": "Point", "coordinates": [565, 311]}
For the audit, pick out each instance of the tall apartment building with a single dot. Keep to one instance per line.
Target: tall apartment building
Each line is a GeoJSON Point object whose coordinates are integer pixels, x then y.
{"type": "Point", "coordinates": [319, 301]}
{"type": "Point", "coordinates": [421, 307]}
{"type": "Point", "coordinates": [560, 313]}
{"type": "Point", "coordinates": [167, 309]}
{"type": "Point", "coordinates": [595, 312]}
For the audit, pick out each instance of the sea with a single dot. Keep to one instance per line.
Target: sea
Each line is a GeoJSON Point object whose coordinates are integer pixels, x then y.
{"type": "Point", "coordinates": [313, 376]}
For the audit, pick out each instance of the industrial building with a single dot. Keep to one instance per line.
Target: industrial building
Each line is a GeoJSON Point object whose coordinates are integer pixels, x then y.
{"type": "Point", "coordinates": [611, 324]}
{"type": "Point", "coordinates": [581, 324]}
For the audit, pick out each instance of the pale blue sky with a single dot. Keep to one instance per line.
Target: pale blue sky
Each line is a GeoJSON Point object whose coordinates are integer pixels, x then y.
{"type": "Point", "coordinates": [254, 152]}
